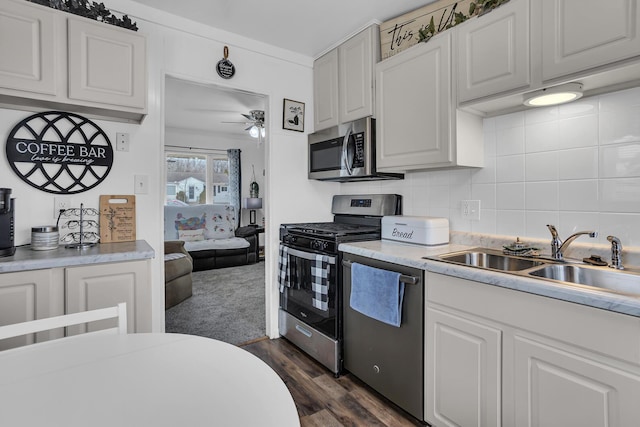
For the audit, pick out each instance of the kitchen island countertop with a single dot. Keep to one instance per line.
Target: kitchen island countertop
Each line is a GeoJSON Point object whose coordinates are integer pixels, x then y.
{"type": "Point", "coordinates": [412, 255]}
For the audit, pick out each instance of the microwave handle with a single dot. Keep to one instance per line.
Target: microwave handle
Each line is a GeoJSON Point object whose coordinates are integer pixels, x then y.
{"type": "Point", "coordinates": [345, 150]}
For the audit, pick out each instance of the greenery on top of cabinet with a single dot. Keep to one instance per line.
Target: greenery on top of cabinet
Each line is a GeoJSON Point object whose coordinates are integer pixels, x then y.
{"type": "Point", "coordinates": [91, 10]}
{"type": "Point", "coordinates": [476, 8]}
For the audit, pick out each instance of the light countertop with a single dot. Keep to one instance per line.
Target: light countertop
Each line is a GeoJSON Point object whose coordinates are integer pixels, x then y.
{"type": "Point", "coordinates": [26, 259]}
{"type": "Point", "coordinates": [412, 255]}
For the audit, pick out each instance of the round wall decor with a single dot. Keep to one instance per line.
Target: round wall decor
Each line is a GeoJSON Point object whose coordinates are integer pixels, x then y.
{"type": "Point", "coordinates": [59, 152]}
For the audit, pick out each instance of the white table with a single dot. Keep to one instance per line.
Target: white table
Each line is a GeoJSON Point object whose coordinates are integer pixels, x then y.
{"type": "Point", "coordinates": [140, 380]}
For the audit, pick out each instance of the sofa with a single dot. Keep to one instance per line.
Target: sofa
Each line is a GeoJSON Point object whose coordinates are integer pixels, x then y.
{"type": "Point", "coordinates": [211, 236]}
{"type": "Point", "coordinates": [178, 266]}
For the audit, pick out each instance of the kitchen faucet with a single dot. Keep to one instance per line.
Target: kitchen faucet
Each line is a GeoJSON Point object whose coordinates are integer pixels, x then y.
{"type": "Point", "coordinates": [616, 253]}
{"type": "Point", "coordinates": [558, 247]}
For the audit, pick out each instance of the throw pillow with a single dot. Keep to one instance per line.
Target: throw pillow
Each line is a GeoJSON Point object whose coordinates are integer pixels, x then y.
{"type": "Point", "coordinates": [191, 235]}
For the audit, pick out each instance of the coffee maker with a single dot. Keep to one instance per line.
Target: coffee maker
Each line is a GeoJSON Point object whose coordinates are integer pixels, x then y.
{"type": "Point", "coordinates": [7, 247]}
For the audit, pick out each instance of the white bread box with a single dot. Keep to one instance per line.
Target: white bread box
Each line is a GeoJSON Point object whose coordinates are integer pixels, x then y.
{"type": "Point", "coordinates": [421, 230]}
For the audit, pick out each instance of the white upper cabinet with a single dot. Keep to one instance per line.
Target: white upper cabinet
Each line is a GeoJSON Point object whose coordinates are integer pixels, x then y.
{"type": "Point", "coordinates": [417, 125]}
{"type": "Point", "coordinates": [493, 52]}
{"type": "Point", "coordinates": [527, 45]}
{"type": "Point", "coordinates": [325, 91]}
{"type": "Point", "coordinates": [52, 59]}
{"type": "Point", "coordinates": [356, 61]}
{"type": "Point", "coordinates": [578, 35]}
{"type": "Point", "coordinates": [27, 48]}
{"type": "Point", "coordinates": [107, 64]}
{"type": "Point", "coordinates": [343, 80]}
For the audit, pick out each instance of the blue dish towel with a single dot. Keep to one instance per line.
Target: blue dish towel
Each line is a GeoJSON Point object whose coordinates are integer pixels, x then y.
{"type": "Point", "coordinates": [377, 293]}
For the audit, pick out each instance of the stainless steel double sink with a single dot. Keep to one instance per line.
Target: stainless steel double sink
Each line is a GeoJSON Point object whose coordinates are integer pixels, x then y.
{"type": "Point", "coordinates": [571, 273]}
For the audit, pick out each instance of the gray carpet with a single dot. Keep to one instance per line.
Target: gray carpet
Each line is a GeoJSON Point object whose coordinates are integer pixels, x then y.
{"type": "Point", "coordinates": [227, 304]}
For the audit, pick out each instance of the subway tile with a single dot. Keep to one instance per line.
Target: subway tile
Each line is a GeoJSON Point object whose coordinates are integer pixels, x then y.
{"type": "Point", "coordinates": [578, 163]}
{"type": "Point", "coordinates": [622, 225]}
{"type": "Point", "coordinates": [509, 120]}
{"type": "Point", "coordinates": [510, 196]}
{"type": "Point", "coordinates": [510, 168]}
{"type": "Point", "coordinates": [579, 196]}
{"type": "Point", "coordinates": [541, 166]}
{"type": "Point", "coordinates": [541, 196]}
{"type": "Point", "coordinates": [619, 126]}
{"type": "Point", "coordinates": [620, 195]}
{"type": "Point", "coordinates": [510, 141]}
{"type": "Point", "coordinates": [536, 225]}
{"type": "Point", "coordinates": [582, 107]}
{"type": "Point", "coordinates": [572, 222]}
{"type": "Point", "coordinates": [510, 223]}
{"type": "Point", "coordinates": [487, 223]}
{"type": "Point", "coordinates": [487, 174]}
{"type": "Point", "coordinates": [490, 139]}
{"type": "Point", "coordinates": [486, 193]}
{"type": "Point", "coordinates": [489, 124]}
{"type": "Point", "coordinates": [620, 161]}
{"type": "Point", "coordinates": [439, 196]}
{"type": "Point", "coordinates": [541, 137]}
{"type": "Point", "coordinates": [540, 115]}
{"type": "Point", "coordinates": [578, 132]}
{"type": "Point", "coordinates": [621, 100]}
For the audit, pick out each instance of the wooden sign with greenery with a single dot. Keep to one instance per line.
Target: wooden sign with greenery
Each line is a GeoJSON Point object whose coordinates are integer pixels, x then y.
{"type": "Point", "coordinates": [420, 25]}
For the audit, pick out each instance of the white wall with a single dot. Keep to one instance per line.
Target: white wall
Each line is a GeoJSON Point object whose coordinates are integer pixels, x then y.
{"type": "Point", "coordinates": [188, 50]}
{"type": "Point", "coordinates": [576, 166]}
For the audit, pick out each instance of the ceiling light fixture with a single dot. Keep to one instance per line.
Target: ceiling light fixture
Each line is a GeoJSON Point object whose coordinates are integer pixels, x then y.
{"type": "Point", "coordinates": [553, 95]}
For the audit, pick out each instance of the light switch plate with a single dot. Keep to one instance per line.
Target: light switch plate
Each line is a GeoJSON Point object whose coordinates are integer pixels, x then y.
{"type": "Point", "coordinates": [141, 184]}
{"type": "Point", "coordinates": [122, 142]}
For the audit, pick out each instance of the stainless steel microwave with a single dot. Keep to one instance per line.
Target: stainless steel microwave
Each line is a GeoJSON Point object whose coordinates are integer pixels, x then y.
{"type": "Point", "coordinates": [346, 153]}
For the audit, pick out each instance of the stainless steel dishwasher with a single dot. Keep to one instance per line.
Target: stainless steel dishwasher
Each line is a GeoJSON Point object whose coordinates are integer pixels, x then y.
{"type": "Point", "coordinates": [389, 359]}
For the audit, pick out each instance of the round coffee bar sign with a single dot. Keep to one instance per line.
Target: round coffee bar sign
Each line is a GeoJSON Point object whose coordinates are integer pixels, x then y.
{"type": "Point", "coordinates": [59, 152]}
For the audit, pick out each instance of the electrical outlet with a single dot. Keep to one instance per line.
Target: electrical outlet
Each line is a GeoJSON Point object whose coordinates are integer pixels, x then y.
{"type": "Point", "coordinates": [122, 142]}
{"type": "Point", "coordinates": [60, 203]}
{"type": "Point", "coordinates": [470, 209]}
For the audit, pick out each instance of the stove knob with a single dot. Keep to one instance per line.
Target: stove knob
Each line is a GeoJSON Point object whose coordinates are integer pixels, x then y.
{"type": "Point", "coordinates": [290, 239]}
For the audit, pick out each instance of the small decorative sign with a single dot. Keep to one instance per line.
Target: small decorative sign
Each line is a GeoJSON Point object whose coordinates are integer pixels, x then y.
{"type": "Point", "coordinates": [117, 218]}
{"type": "Point", "coordinates": [402, 32]}
{"type": "Point", "coordinates": [225, 68]}
{"type": "Point", "coordinates": [59, 152]}
{"type": "Point", "coordinates": [293, 115]}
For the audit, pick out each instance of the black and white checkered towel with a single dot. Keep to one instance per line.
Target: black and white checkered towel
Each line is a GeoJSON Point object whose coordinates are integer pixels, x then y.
{"type": "Point", "coordinates": [283, 268]}
{"type": "Point", "coordinates": [320, 281]}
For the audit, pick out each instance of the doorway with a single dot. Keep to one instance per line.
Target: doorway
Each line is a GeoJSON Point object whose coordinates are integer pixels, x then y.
{"type": "Point", "coordinates": [202, 122]}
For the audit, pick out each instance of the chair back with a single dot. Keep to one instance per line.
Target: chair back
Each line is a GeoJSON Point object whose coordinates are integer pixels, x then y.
{"type": "Point", "coordinates": [118, 312]}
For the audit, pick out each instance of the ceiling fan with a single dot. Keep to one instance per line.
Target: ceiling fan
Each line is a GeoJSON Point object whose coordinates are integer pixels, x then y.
{"type": "Point", "coordinates": [255, 120]}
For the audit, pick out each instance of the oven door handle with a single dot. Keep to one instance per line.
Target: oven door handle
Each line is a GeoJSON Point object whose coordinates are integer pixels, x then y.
{"type": "Point", "coordinates": [409, 280]}
{"type": "Point", "coordinates": [311, 256]}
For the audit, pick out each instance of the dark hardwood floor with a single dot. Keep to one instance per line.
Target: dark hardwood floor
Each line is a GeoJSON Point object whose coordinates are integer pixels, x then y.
{"type": "Point", "coordinates": [323, 400]}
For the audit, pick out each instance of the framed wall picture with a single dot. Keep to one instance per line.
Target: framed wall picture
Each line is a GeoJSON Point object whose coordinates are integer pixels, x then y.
{"type": "Point", "coordinates": [293, 115]}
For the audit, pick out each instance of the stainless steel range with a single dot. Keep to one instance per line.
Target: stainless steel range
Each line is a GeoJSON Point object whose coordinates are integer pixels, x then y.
{"type": "Point", "coordinates": [310, 273]}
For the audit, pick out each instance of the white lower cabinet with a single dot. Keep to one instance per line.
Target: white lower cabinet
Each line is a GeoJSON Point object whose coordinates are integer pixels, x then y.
{"type": "Point", "coordinates": [571, 387]}
{"type": "Point", "coordinates": [500, 357]}
{"type": "Point", "coordinates": [36, 294]}
{"type": "Point", "coordinates": [464, 363]}
{"type": "Point", "coordinates": [30, 295]}
{"type": "Point", "coordinates": [105, 285]}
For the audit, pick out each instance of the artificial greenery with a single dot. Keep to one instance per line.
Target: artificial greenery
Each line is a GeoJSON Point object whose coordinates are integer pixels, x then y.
{"type": "Point", "coordinates": [476, 8]}
{"type": "Point", "coordinates": [91, 10]}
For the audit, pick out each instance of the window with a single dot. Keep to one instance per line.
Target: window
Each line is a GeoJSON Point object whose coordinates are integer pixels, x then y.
{"type": "Point", "coordinates": [196, 178]}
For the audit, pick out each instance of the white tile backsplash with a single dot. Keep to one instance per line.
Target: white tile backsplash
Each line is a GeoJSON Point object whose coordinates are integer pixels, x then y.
{"type": "Point", "coordinates": [578, 163]}
{"type": "Point", "coordinates": [576, 166]}
{"type": "Point", "coordinates": [577, 132]}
